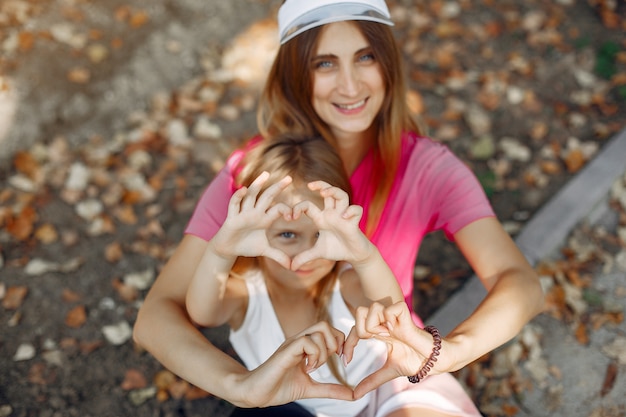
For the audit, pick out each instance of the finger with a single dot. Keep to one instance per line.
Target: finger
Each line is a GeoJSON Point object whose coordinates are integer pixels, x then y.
{"type": "Point", "coordinates": [318, 185]}
{"type": "Point", "coordinates": [333, 338]}
{"type": "Point", "coordinates": [376, 322]}
{"type": "Point", "coordinates": [352, 212]}
{"type": "Point", "coordinates": [371, 321]}
{"type": "Point", "coordinates": [340, 198]}
{"type": "Point", "coordinates": [304, 257]}
{"type": "Point", "coordinates": [312, 354]}
{"type": "Point", "coordinates": [267, 197]}
{"type": "Point", "coordinates": [234, 206]}
{"type": "Point", "coordinates": [279, 256]}
{"type": "Point", "coordinates": [306, 207]}
{"type": "Point", "coordinates": [323, 187]}
{"type": "Point", "coordinates": [398, 315]}
{"type": "Point", "coordinates": [348, 346]}
{"type": "Point", "coordinates": [373, 381]}
{"type": "Point", "coordinates": [253, 191]}
{"type": "Point", "coordinates": [336, 391]}
{"type": "Point", "coordinates": [279, 210]}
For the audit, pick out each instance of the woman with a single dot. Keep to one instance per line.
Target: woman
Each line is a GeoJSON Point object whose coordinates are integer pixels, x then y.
{"type": "Point", "coordinates": [338, 74]}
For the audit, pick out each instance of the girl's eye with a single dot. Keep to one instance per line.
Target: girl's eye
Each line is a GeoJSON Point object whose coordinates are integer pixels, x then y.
{"type": "Point", "coordinates": [317, 235]}
{"type": "Point", "coordinates": [288, 235]}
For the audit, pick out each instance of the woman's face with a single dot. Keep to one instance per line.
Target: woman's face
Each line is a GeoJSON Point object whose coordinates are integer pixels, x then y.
{"type": "Point", "coordinates": [348, 86]}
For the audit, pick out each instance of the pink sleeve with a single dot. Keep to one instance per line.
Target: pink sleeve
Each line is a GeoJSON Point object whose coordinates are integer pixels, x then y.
{"type": "Point", "coordinates": [212, 207]}
{"type": "Point", "coordinates": [458, 198]}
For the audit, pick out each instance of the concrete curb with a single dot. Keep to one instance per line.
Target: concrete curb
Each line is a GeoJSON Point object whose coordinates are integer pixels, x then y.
{"type": "Point", "coordinates": [584, 196]}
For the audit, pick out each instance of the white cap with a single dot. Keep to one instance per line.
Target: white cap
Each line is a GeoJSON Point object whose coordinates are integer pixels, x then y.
{"type": "Point", "coordinates": [297, 16]}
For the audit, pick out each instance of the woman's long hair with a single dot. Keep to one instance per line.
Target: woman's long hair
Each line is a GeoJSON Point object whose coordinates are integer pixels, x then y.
{"type": "Point", "coordinates": [305, 159]}
{"type": "Point", "coordinates": [286, 104]}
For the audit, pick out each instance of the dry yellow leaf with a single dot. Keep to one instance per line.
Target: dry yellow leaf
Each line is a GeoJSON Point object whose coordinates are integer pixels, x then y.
{"type": "Point", "coordinates": [14, 297]}
{"type": "Point", "coordinates": [76, 317]}
{"type": "Point", "coordinates": [79, 75]}
{"type": "Point", "coordinates": [47, 234]}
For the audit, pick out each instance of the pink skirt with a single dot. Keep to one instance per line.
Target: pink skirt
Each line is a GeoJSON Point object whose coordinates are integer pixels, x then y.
{"type": "Point", "coordinates": [442, 393]}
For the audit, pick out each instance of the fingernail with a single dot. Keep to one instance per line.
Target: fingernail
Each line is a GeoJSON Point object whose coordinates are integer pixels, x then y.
{"type": "Point", "coordinates": [389, 325]}
{"type": "Point", "coordinates": [344, 361]}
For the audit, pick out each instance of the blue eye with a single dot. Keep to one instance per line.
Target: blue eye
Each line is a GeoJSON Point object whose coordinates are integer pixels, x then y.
{"type": "Point", "coordinates": [323, 65]}
{"type": "Point", "coordinates": [367, 57]}
{"type": "Point", "coordinates": [288, 235]}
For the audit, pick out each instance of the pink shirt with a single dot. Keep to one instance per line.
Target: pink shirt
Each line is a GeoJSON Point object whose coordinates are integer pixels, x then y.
{"type": "Point", "coordinates": [433, 190]}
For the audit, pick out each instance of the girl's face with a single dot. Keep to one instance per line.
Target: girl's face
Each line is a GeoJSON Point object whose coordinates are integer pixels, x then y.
{"type": "Point", "coordinates": [348, 86]}
{"type": "Point", "coordinates": [294, 237]}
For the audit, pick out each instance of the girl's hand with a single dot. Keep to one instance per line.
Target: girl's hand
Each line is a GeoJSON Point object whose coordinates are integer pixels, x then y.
{"type": "Point", "coordinates": [250, 213]}
{"type": "Point", "coordinates": [284, 377]}
{"type": "Point", "coordinates": [408, 345]}
{"type": "Point", "coordinates": [339, 238]}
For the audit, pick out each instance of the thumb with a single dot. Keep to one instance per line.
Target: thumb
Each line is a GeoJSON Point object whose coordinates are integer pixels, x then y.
{"type": "Point", "coordinates": [302, 258]}
{"type": "Point", "coordinates": [373, 381]}
{"type": "Point", "coordinates": [279, 256]}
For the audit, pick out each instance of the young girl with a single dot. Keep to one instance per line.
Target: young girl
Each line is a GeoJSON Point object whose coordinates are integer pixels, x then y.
{"type": "Point", "coordinates": [287, 271]}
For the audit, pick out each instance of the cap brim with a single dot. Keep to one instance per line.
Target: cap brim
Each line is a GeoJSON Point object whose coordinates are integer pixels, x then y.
{"type": "Point", "coordinates": [333, 13]}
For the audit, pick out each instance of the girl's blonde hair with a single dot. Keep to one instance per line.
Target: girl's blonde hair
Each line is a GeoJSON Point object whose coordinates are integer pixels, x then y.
{"type": "Point", "coordinates": [286, 104]}
{"type": "Point", "coordinates": [305, 159]}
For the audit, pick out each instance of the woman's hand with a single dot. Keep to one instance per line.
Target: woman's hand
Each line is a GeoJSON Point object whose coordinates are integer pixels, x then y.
{"type": "Point", "coordinates": [250, 213]}
{"type": "Point", "coordinates": [339, 235]}
{"type": "Point", "coordinates": [284, 377]}
{"type": "Point", "coordinates": [408, 346]}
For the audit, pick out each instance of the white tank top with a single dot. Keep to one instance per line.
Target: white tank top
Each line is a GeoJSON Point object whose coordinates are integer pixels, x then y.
{"type": "Point", "coordinates": [260, 335]}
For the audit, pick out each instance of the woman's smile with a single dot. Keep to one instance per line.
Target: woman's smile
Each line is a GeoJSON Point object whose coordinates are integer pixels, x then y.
{"type": "Point", "coordinates": [353, 106]}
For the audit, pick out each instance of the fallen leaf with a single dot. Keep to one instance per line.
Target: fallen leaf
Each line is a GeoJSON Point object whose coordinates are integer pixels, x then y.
{"type": "Point", "coordinates": [113, 252]}
{"type": "Point", "coordinates": [574, 160]}
{"type": "Point", "coordinates": [40, 374]}
{"type": "Point", "coordinates": [582, 334]}
{"type": "Point", "coordinates": [133, 379]}
{"type": "Point", "coordinates": [14, 297]}
{"type": "Point", "coordinates": [26, 40]}
{"type": "Point", "coordinates": [76, 317]}
{"type": "Point", "coordinates": [122, 13]}
{"type": "Point", "coordinates": [69, 296]}
{"type": "Point", "coordinates": [117, 43]}
{"type": "Point", "coordinates": [22, 225]}
{"type": "Point", "coordinates": [195, 393]}
{"type": "Point", "coordinates": [86, 347]}
{"type": "Point", "coordinates": [178, 389]}
{"type": "Point", "coordinates": [46, 234]}
{"type": "Point", "coordinates": [97, 53]}
{"type": "Point", "coordinates": [126, 292]}
{"type": "Point", "coordinates": [510, 410]}
{"type": "Point", "coordinates": [79, 75]}
{"type": "Point", "coordinates": [26, 163]}
{"type": "Point", "coordinates": [163, 379]}
{"type": "Point", "coordinates": [609, 378]}
{"type": "Point", "coordinates": [139, 19]}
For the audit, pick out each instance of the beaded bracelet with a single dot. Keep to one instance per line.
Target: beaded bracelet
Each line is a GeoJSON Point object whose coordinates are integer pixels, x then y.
{"type": "Point", "coordinates": [421, 374]}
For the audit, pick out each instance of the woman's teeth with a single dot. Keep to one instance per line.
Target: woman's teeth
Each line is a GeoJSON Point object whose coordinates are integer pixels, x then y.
{"type": "Point", "coordinates": [351, 106]}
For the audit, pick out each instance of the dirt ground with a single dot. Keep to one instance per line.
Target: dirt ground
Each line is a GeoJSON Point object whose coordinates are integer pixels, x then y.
{"type": "Point", "coordinates": [94, 196]}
